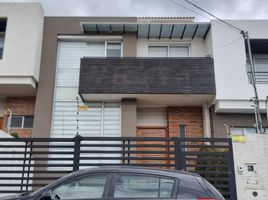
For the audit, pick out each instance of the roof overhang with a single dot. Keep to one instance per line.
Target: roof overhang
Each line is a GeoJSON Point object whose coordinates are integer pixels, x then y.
{"type": "Point", "coordinates": [149, 30]}
{"type": "Point", "coordinates": [17, 86]}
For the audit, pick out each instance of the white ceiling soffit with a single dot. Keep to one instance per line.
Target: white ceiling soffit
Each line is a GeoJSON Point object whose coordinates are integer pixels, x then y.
{"type": "Point", "coordinates": [190, 30]}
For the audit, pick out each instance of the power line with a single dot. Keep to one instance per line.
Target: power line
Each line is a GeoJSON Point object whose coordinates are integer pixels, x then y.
{"type": "Point", "coordinates": [198, 7]}
{"type": "Point", "coordinates": [178, 4]}
{"type": "Point", "coordinates": [193, 11]}
{"type": "Point", "coordinates": [230, 43]}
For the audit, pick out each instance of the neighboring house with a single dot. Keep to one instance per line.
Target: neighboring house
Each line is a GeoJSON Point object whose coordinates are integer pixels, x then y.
{"type": "Point", "coordinates": [232, 105]}
{"type": "Point", "coordinates": [132, 77]}
{"type": "Point", "coordinates": [21, 28]}
{"type": "Point", "coordinates": [234, 91]}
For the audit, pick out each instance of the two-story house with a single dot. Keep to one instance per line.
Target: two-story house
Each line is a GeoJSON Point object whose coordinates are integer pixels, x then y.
{"type": "Point", "coordinates": [125, 76]}
{"type": "Point", "coordinates": [21, 30]}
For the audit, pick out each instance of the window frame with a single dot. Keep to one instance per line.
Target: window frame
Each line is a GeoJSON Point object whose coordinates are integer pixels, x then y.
{"type": "Point", "coordinates": [22, 123]}
{"type": "Point", "coordinates": [106, 189]}
{"type": "Point", "coordinates": [168, 48]}
{"type": "Point", "coordinates": [248, 68]}
{"type": "Point", "coordinates": [115, 175]}
{"type": "Point", "coordinates": [106, 48]}
{"type": "Point", "coordinates": [256, 56]}
{"type": "Point", "coordinates": [3, 33]}
{"type": "Point", "coordinates": [244, 129]}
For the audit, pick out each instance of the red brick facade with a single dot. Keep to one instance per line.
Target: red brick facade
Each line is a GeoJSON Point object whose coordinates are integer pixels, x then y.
{"type": "Point", "coordinates": [19, 106]}
{"type": "Point", "coordinates": [192, 117]}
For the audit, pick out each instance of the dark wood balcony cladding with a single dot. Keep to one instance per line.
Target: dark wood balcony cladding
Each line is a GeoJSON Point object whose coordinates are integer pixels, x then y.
{"type": "Point", "coordinates": [147, 76]}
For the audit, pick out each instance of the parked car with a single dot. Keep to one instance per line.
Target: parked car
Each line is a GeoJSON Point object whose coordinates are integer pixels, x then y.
{"type": "Point", "coordinates": [126, 183]}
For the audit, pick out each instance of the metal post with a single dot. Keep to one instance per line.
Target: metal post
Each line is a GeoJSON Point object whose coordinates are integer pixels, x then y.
{"type": "Point", "coordinates": [180, 161]}
{"type": "Point", "coordinates": [253, 82]}
{"type": "Point", "coordinates": [233, 192]}
{"type": "Point", "coordinates": [77, 143]}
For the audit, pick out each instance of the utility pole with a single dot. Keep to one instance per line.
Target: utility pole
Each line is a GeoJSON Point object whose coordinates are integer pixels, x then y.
{"type": "Point", "coordinates": [255, 99]}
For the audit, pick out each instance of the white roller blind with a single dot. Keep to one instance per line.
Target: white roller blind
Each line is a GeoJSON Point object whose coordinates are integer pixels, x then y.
{"type": "Point", "coordinates": [158, 51]}
{"type": "Point", "coordinates": [178, 51]}
{"type": "Point", "coordinates": [99, 119]}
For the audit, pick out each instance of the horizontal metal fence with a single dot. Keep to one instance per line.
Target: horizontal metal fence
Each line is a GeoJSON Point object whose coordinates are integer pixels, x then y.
{"type": "Point", "coordinates": [29, 163]}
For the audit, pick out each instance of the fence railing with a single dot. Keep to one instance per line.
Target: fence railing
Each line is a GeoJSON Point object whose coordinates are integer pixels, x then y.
{"type": "Point", "coordinates": [30, 163]}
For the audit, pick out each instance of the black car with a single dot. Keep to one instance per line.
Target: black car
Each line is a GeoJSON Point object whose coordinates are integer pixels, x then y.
{"type": "Point", "coordinates": [117, 183]}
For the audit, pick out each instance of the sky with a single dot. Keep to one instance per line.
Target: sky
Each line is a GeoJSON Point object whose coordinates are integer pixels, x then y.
{"type": "Point", "coordinates": [225, 9]}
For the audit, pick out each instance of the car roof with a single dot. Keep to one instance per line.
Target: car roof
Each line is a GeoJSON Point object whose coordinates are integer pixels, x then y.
{"type": "Point", "coordinates": [135, 169]}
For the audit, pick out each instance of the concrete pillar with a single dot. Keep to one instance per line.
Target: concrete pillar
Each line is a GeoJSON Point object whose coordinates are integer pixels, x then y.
{"type": "Point", "coordinates": [128, 117]}
{"type": "Point", "coordinates": [130, 45]}
{"type": "Point", "coordinates": [206, 120]}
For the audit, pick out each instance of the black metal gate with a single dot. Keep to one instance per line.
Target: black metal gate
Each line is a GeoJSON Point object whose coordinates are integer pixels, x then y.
{"type": "Point", "coordinates": [29, 163]}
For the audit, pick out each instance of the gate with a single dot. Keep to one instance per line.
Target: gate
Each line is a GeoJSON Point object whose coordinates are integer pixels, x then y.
{"type": "Point", "coordinates": [29, 163]}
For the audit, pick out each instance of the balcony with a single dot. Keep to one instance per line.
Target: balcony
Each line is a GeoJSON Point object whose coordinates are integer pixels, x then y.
{"type": "Point", "coordinates": [158, 78]}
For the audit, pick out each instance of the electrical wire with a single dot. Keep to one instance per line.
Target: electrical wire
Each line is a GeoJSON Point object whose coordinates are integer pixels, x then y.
{"type": "Point", "coordinates": [198, 7]}
{"type": "Point", "coordinates": [193, 11]}
{"type": "Point", "coordinates": [230, 43]}
{"type": "Point", "coordinates": [178, 4]}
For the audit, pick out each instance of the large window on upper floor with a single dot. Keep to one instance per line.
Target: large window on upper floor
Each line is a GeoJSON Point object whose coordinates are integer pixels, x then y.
{"type": "Point", "coordinates": [168, 51]}
{"type": "Point", "coordinates": [3, 23]}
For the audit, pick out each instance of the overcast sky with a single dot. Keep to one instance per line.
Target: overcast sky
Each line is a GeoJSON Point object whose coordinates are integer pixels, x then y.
{"type": "Point", "coordinates": [226, 9]}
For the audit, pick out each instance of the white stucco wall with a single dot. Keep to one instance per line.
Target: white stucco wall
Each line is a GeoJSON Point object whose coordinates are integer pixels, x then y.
{"type": "Point", "coordinates": [230, 60]}
{"type": "Point", "coordinates": [253, 152]}
{"type": "Point", "coordinates": [23, 39]}
{"type": "Point", "coordinates": [197, 45]}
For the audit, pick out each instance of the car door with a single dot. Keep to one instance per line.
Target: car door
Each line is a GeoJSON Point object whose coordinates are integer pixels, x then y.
{"type": "Point", "coordinates": [86, 187]}
{"type": "Point", "coordinates": [142, 186]}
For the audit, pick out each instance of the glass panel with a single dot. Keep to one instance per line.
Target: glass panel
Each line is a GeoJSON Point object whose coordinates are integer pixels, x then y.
{"type": "Point", "coordinates": [2, 38]}
{"type": "Point", "coordinates": [16, 121]}
{"type": "Point", "coordinates": [131, 186]}
{"type": "Point", "coordinates": [261, 64]}
{"type": "Point", "coordinates": [166, 186]}
{"type": "Point", "coordinates": [113, 49]}
{"type": "Point", "coordinates": [158, 51]}
{"type": "Point", "coordinates": [178, 51]}
{"type": "Point", "coordinates": [82, 188]}
{"type": "Point", "coordinates": [237, 131]}
{"type": "Point", "coordinates": [28, 122]}
{"type": "Point", "coordinates": [250, 130]}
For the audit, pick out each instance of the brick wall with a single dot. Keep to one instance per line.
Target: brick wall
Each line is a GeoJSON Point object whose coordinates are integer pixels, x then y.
{"type": "Point", "coordinates": [192, 117]}
{"type": "Point", "coordinates": [19, 106]}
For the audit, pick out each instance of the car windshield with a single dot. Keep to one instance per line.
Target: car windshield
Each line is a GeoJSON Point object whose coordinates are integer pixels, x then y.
{"type": "Point", "coordinates": [47, 186]}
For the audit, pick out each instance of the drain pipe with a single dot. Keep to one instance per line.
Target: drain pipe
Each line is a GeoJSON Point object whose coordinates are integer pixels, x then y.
{"type": "Point", "coordinates": [9, 120]}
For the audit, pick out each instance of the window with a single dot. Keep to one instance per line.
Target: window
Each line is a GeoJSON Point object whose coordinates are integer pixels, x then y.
{"type": "Point", "coordinates": [139, 186]}
{"type": "Point", "coordinates": [168, 51]}
{"type": "Point", "coordinates": [113, 49]}
{"type": "Point", "coordinates": [245, 130]}
{"type": "Point", "coordinates": [19, 121]}
{"type": "Point", "coordinates": [158, 51]}
{"type": "Point", "coordinates": [261, 68]}
{"type": "Point", "coordinates": [90, 187]}
{"type": "Point", "coordinates": [3, 23]}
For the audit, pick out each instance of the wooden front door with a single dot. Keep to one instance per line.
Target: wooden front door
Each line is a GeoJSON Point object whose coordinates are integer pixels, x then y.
{"type": "Point", "coordinates": [152, 132]}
